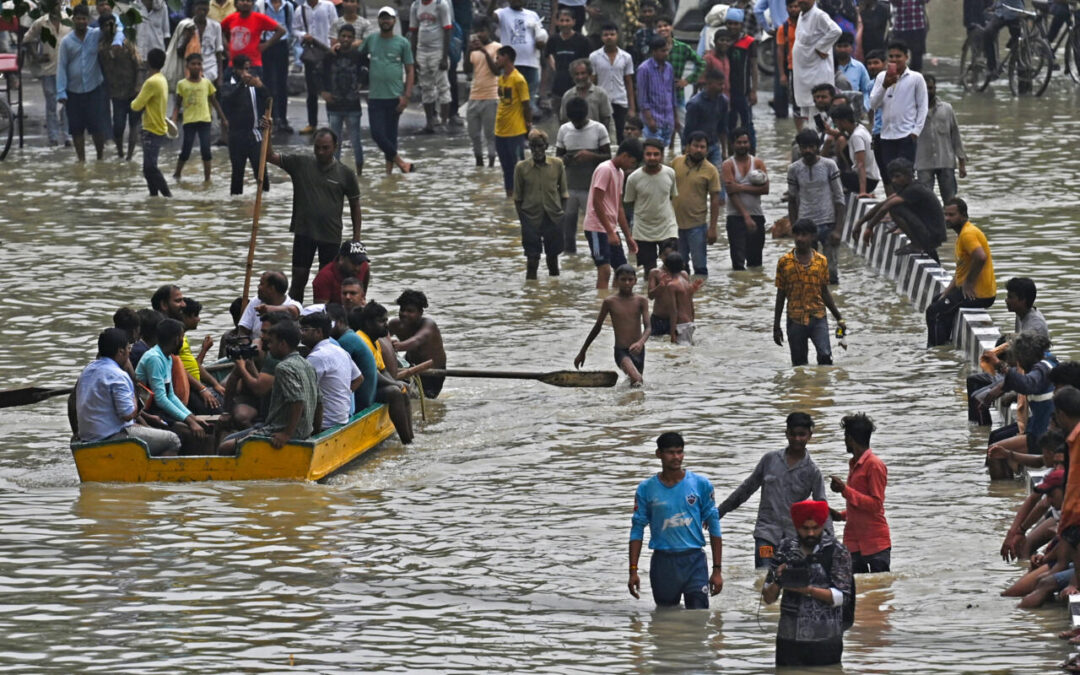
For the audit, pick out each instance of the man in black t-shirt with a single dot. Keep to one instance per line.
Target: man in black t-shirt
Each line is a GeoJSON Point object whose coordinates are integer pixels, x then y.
{"type": "Point", "coordinates": [915, 209]}
{"type": "Point", "coordinates": [561, 50]}
{"type": "Point", "coordinates": [341, 91]}
{"type": "Point", "coordinates": [875, 15]}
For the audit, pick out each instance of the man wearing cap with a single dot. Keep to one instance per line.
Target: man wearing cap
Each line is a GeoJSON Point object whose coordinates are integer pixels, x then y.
{"type": "Point", "coordinates": [321, 185]}
{"type": "Point", "coordinates": [351, 261]}
{"type": "Point", "coordinates": [815, 572]}
{"type": "Point", "coordinates": [676, 504]}
{"type": "Point", "coordinates": [866, 534]}
{"type": "Point", "coordinates": [391, 76]}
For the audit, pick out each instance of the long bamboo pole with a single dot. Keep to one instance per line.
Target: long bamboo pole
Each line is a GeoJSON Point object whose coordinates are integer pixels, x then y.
{"type": "Point", "coordinates": [258, 204]}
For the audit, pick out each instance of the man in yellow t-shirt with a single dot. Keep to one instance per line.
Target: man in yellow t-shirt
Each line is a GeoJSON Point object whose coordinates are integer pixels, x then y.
{"type": "Point", "coordinates": [973, 285]}
{"type": "Point", "coordinates": [195, 94]}
{"type": "Point", "coordinates": [151, 99]}
{"type": "Point", "coordinates": [513, 117]}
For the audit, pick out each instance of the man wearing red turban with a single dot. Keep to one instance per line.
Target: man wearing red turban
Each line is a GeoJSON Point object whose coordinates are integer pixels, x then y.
{"type": "Point", "coordinates": [815, 572]}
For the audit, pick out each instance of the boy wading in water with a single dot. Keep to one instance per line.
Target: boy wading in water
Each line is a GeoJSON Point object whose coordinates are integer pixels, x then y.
{"type": "Point", "coordinates": [630, 321]}
{"type": "Point", "coordinates": [673, 300]}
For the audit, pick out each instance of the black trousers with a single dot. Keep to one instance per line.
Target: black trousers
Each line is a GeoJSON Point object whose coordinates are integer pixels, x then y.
{"type": "Point", "coordinates": [276, 78]}
{"type": "Point", "coordinates": [313, 81]}
{"type": "Point", "coordinates": [820, 653]}
{"type": "Point", "coordinates": [244, 149]}
{"type": "Point", "coordinates": [618, 115]}
{"type": "Point", "coordinates": [920, 235]}
{"type": "Point", "coordinates": [745, 246]}
{"type": "Point", "coordinates": [941, 314]}
{"type": "Point", "coordinates": [978, 413]}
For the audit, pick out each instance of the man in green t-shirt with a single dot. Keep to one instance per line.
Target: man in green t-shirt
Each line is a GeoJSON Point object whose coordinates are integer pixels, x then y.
{"type": "Point", "coordinates": [321, 184]}
{"type": "Point", "coordinates": [391, 55]}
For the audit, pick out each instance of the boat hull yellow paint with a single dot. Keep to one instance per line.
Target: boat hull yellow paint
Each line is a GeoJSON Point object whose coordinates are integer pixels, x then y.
{"type": "Point", "coordinates": [128, 461]}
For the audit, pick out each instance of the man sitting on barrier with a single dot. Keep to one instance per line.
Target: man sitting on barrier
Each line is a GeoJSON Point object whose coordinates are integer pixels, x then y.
{"type": "Point", "coordinates": [914, 208]}
{"type": "Point", "coordinates": [972, 285]}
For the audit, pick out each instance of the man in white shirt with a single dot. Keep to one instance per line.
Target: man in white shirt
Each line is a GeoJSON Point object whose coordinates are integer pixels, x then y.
{"type": "Point", "coordinates": [311, 26]}
{"type": "Point", "coordinates": [523, 30]}
{"type": "Point", "coordinates": [338, 376]}
{"type": "Point", "coordinates": [582, 144]}
{"type": "Point", "coordinates": [272, 297]}
{"type": "Point", "coordinates": [900, 93]}
{"type": "Point", "coordinates": [812, 54]}
{"type": "Point", "coordinates": [650, 189]}
{"type": "Point", "coordinates": [860, 173]}
{"type": "Point", "coordinates": [153, 31]}
{"type": "Point", "coordinates": [613, 70]}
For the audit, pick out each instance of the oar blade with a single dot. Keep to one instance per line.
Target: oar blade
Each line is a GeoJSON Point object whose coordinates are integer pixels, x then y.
{"type": "Point", "coordinates": [10, 399]}
{"type": "Point", "coordinates": [581, 378]}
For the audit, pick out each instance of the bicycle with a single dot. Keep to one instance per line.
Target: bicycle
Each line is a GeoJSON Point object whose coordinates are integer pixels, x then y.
{"type": "Point", "coordinates": [1070, 34]}
{"type": "Point", "coordinates": [1029, 60]}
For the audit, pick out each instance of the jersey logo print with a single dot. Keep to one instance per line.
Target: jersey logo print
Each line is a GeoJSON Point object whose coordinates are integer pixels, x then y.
{"type": "Point", "coordinates": [677, 520]}
{"type": "Point", "coordinates": [691, 499]}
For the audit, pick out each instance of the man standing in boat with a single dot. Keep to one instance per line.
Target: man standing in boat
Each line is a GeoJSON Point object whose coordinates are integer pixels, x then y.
{"type": "Point", "coordinates": [321, 185]}
{"type": "Point", "coordinates": [105, 400]}
{"type": "Point", "coordinates": [676, 504]}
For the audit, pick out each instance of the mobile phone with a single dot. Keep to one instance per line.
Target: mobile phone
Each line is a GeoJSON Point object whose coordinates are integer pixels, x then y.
{"type": "Point", "coordinates": [891, 69]}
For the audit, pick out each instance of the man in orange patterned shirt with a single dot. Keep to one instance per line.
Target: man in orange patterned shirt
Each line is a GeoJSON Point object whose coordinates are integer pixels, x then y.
{"type": "Point", "coordinates": [802, 281]}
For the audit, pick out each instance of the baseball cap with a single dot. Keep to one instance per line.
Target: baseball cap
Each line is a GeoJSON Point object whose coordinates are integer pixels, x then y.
{"type": "Point", "coordinates": [387, 9]}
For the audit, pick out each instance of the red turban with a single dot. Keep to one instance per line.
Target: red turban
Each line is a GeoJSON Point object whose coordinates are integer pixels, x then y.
{"type": "Point", "coordinates": [809, 510]}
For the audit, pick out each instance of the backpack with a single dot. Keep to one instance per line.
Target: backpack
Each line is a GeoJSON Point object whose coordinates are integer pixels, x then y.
{"type": "Point", "coordinates": [826, 559]}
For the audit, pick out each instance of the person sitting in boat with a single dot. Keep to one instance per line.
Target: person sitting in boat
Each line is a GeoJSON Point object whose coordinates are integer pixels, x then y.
{"type": "Point", "coordinates": [232, 336]}
{"type": "Point", "coordinates": [419, 337]}
{"type": "Point", "coordinates": [247, 391]}
{"type": "Point", "coordinates": [338, 376]}
{"type": "Point", "coordinates": [353, 293]}
{"type": "Point", "coordinates": [148, 323]}
{"type": "Point", "coordinates": [105, 403]}
{"type": "Point", "coordinates": [208, 392]}
{"type": "Point", "coordinates": [295, 404]}
{"type": "Point", "coordinates": [364, 359]}
{"type": "Point", "coordinates": [155, 373]}
{"type": "Point", "coordinates": [370, 324]}
{"type": "Point", "coordinates": [271, 298]}
{"type": "Point", "coordinates": [351, 263]}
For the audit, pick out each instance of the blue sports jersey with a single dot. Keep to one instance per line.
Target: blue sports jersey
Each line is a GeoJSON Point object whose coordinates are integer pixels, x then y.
{"type": "Point", "coordinates": [675, 515]}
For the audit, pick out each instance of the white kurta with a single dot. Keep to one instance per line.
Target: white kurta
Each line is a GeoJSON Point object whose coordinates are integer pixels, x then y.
{"type": "Point", "coordinates": [815, 32]}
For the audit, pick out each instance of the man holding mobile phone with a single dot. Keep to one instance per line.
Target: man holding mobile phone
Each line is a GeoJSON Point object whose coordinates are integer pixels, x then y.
{"type": "Point", "coordinates": [900, 93]}
{"type": "Point", "coordinates": [814, 571]}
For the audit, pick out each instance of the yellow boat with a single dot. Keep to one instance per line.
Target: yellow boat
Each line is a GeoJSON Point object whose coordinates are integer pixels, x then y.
{"type": "Point", "coordinates": [129, 461]}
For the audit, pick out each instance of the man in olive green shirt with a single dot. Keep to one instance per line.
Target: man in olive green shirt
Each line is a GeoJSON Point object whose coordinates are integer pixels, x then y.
{"type": "Point", "coordinates": [540, 194]}
{"type": "Point", "coordinates": [321, 185]}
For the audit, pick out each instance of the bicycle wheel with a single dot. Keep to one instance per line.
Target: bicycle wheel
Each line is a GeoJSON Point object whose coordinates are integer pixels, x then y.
{"type": "Point", "coordinates": [1030, 68]}
{"type": "Point", "coordinates": [1072, 53]}
{"type": "Point", "coordinates": [973, 73]}
{"type": "Point", "coordinates": [7, 127]}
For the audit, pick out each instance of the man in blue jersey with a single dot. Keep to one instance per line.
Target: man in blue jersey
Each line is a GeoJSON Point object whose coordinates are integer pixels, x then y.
{"type": "Point", "coordinates": [676, 504]}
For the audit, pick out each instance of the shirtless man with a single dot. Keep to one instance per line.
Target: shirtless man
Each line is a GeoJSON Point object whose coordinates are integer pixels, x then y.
{"type": "Point", "coordinates": [419, 337]}
{"type": "Point", "coordinates": [630, 321]}
{"type": "Point", "coordinates": [660, 293]}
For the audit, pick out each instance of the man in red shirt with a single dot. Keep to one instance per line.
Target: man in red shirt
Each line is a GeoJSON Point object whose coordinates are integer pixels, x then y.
{"type": "Point", "coordinates": [866, 534]}
{"type": "Point", "coordinates": [242, 31]}
{"type": "Point", "coordinates": [351, 261]}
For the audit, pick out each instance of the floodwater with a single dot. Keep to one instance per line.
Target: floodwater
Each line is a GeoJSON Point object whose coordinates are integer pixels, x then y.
{"type": "Point", "coordinates": [497, 542]}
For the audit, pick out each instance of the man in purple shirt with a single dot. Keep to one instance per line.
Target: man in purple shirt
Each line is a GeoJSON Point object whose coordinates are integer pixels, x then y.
{"type": "Point", "coordinates": [656, 93]}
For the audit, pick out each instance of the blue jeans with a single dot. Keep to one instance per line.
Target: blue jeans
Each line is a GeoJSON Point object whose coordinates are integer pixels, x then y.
{"type": "Point", "coordinates": [352, 118]}
{"type": "Point", "coordinates": [818, 333]}
{"type": "Point", "coordinates": [741, 114]}
{"type": "Point", "coordinates": [511, 150]}
{"type": "Point", "coordinates": [55, 123]}
{"type": "Point", "coordinates": [383, 120]}
{"type": "Point", "coordinates": [124, 116]}
{"type": "Point", "coordinates": [663, 133]}
{"type": "Point", "coordinates": [692, 246]}
{"type": "Point", "coordinates": [715, 155]}
{"type": "Point", "coordinates": [155, 181]}
{"type": "Point", "coordinates": [532, 78]}
{"type": "Point", "coordinates": [680, 575]}
{"type": "Point", "coordinates": [201, 130]}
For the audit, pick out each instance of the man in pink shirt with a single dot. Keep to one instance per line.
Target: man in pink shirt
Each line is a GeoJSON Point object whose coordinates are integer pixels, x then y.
{"type": "Point", "coordinates": [604, 211]}
{"type": "Point", "coordinates": [866, 534]}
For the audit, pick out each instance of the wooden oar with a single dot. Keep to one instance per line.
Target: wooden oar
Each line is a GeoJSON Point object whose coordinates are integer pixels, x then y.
{"type": "Point", "coordinates": [10, 399]}
{"type": "Point", "coordinates": [406, 373]}
{"type": "Point", "coordinates": [558, 378]}
{"type": "Point", "coordinates": [258, 204]}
